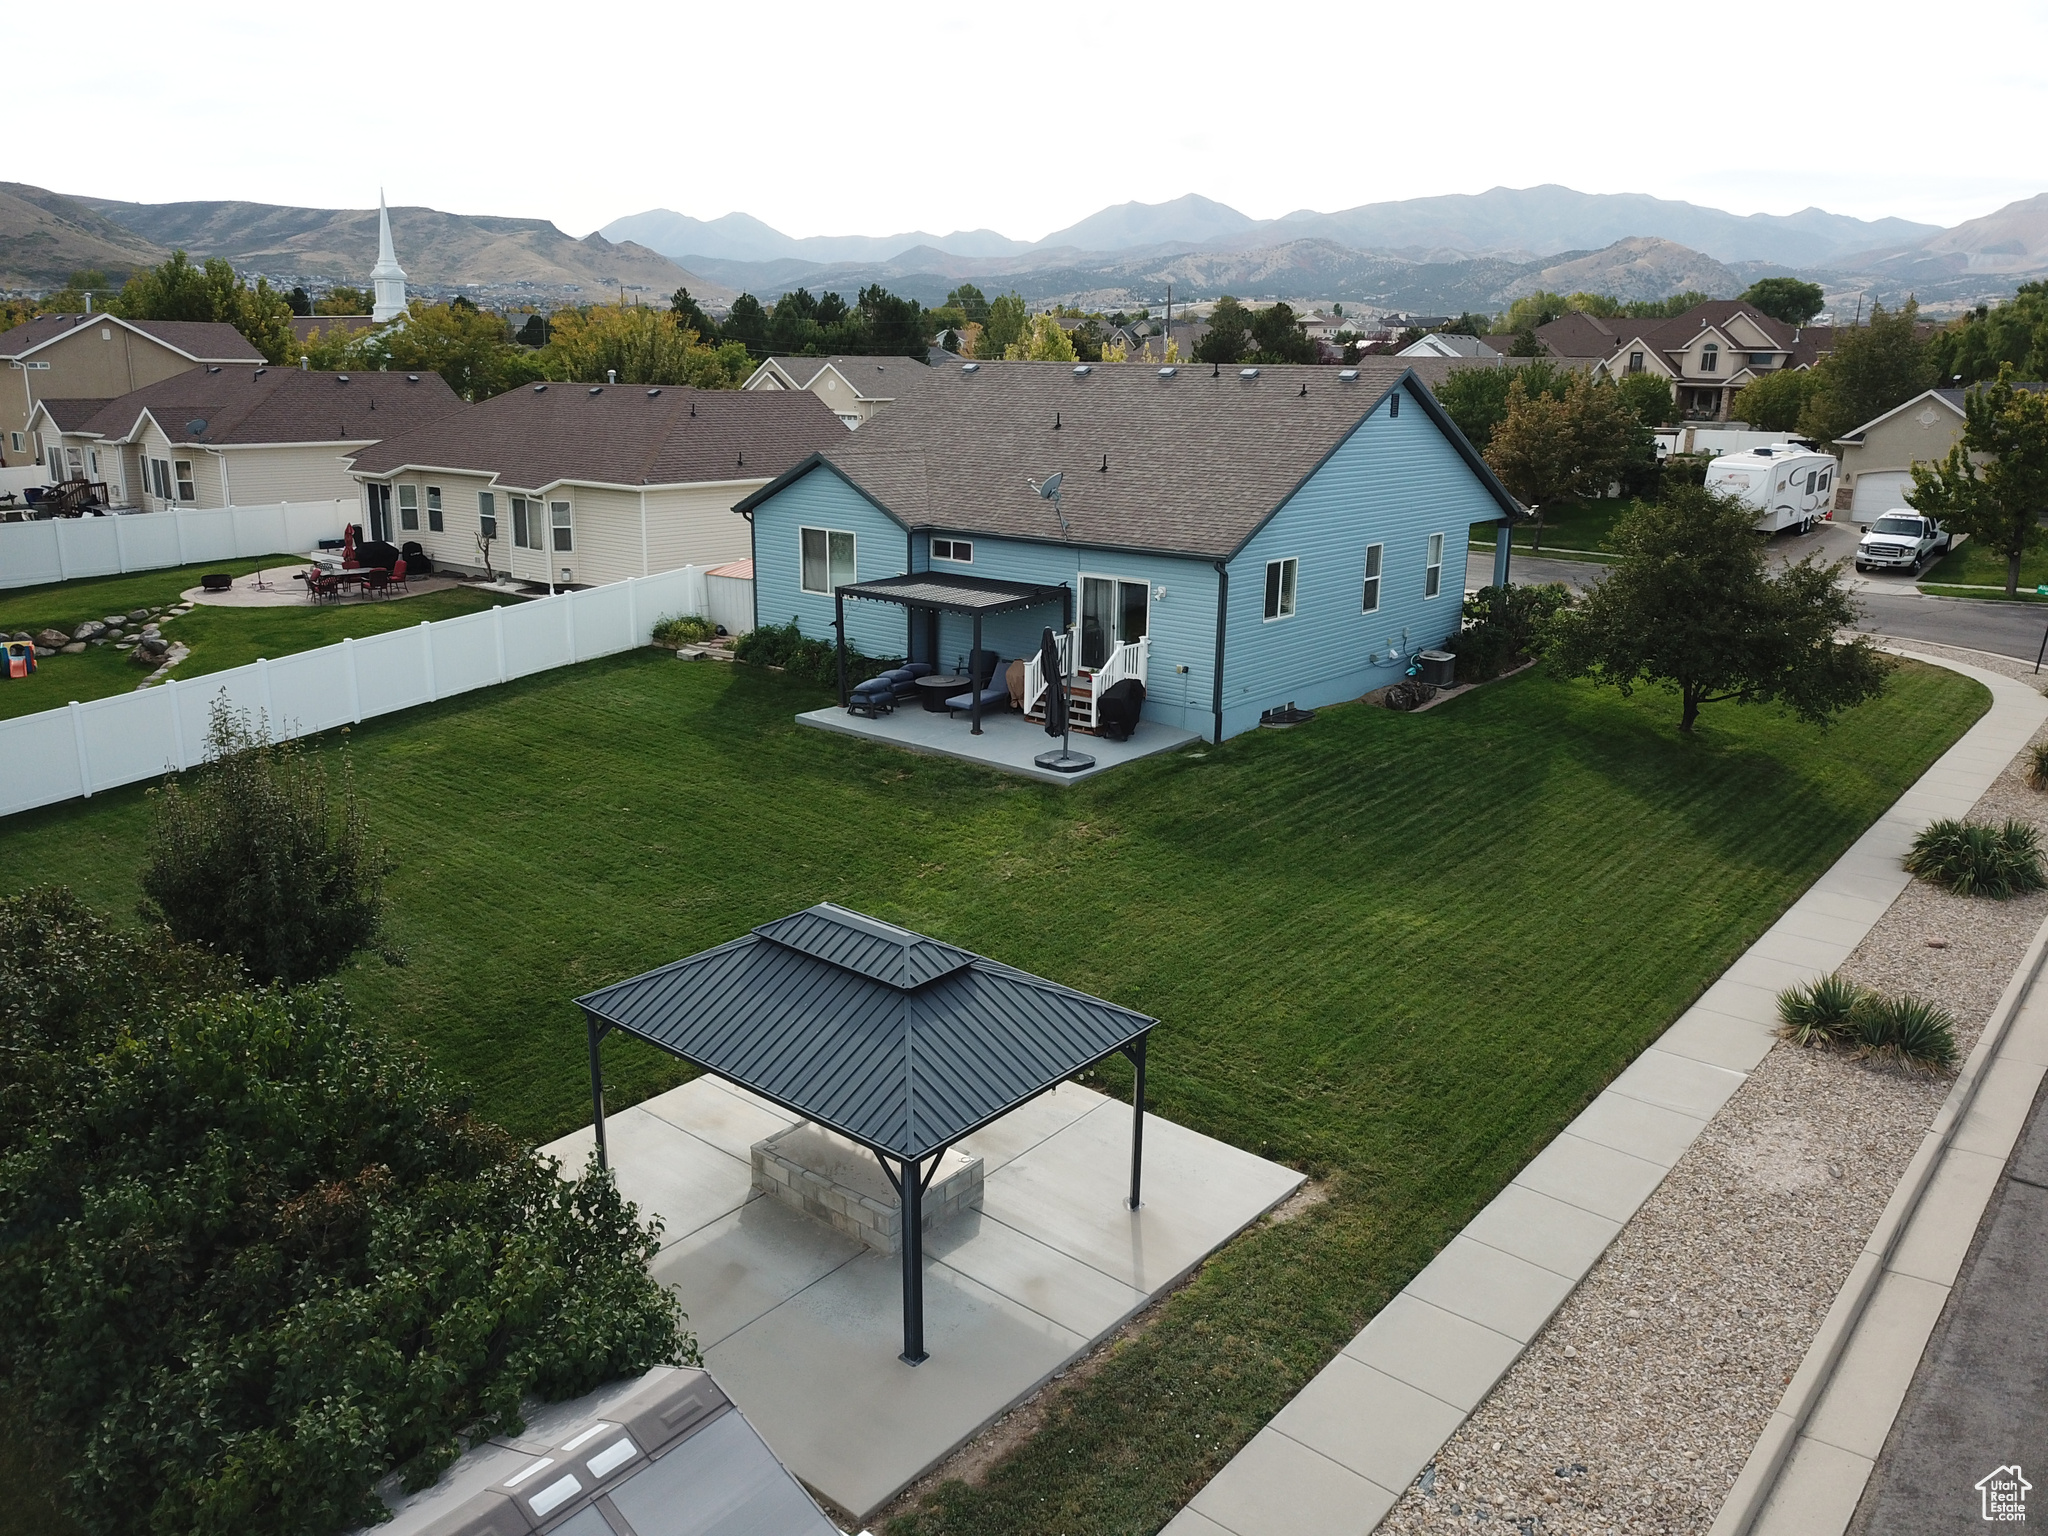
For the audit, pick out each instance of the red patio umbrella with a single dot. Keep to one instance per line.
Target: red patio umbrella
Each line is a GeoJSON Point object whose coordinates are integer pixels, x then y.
{"type": "Point", "coordinates": [348, 547]}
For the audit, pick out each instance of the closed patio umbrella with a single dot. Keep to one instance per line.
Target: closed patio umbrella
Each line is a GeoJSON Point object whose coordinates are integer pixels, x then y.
{"type": "Point", "coordinates": [1058, 719]}
{"type": "Point", "coordinates": [348, 547]}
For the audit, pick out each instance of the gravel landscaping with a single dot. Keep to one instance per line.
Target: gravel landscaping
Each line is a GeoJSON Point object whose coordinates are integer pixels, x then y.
{"type": "Point", "coordinates": [1635, 1409]}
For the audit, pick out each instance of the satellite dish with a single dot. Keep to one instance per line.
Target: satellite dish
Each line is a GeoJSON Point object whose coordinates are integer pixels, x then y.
{"type": "Point", "coordinates": [1049, 488]}
{"type": "Point", "coordinates": [196, 425]}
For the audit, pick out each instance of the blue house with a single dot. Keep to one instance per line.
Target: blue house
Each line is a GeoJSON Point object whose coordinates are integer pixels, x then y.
{"type": "Point", "coordinates": [1236, 539]}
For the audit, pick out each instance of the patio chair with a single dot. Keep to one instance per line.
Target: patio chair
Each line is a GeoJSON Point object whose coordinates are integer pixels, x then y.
{"type": "Point", "coordinates": [376, 582]}
{"type": "Point", "coordinates": [397, 578]}
{"type": "Point", "coordinates": [880, 694]}
{"type": "Point", "coordinates": [985, 671]}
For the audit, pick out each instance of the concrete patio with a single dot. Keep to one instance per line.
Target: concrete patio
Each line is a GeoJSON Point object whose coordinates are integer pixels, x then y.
{"type": "Point", "coordinates": [1007, 741]}
{"type": "Point", "coordinates": [802, 1324]}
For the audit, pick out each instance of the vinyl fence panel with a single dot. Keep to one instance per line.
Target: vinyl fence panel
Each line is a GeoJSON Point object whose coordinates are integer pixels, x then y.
{"type": "Point", "coordinates": [66, 548]}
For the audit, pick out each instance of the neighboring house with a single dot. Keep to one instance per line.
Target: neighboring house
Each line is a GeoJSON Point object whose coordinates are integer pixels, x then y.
{"type": "Point", "coordinates": [97, 357]}
{"type": "Point", "coordinates": [582, 484]}
{"type": "Point", "coordinates": [303, 326]}
{"type": "Point", "coordinates": [854, 387]}
{"type": "Point", "coordinates": [1708, 353]}
{"type": "Point", "coordinates": [1878, 457]}
{"type": "Point", "coordinates": [1446, 344]}
{"type": "Point", "coordinates": [234, 436]}
{"type": "Point", "coordinates": [1239, 538]}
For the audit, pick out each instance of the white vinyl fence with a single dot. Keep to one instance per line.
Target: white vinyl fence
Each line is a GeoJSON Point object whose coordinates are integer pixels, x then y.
{"type": "Point", "coordinates": [62, 548]}
{"type": "Point", "coordinates": [60, 754]}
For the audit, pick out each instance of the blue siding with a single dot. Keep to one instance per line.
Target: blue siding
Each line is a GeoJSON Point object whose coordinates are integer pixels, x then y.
{"type": "Point", "coordinates": [822, 500]}
{"type": "Point", "coordinates": [1395, 481]}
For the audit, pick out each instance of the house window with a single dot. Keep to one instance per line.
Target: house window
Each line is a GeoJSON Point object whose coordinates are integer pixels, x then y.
{"type": "Point", "coordinates": [959, 550]}
{"type": "Point", "coordinates": [1635, 362]}
{"type": "Point", "coordinates": [186, 490]}
{"type": "Point", "coordinates": [409, 508]}
{"type": "Point", "coordinates": [1280, 576]}
{"type": "Point", "coordinates": [77, 462]}
{"type": "Point", "coordinates": [1761, 359]}
{"type": "Point", "coordinates": [1394, 404]}
{"type": "Point", "coordinates": [159, 476]}
{"type": "Point", "coordinates": [19, 442]}
{"type": "Point", "coordinates": [525, 523]}
{"type": "Point", "coordinates": [487, 514]}
{"type": "Point", "coordinates": [1433, 572]}
{"type": "Point", "coordinates": [1710, 358]}
{"type": "Point", "coordinates": [56, 465]}
{"type": "Point", "coordinates": [558, 514]}
{"type": "Point", "coordinates": [827, 559]}
{"type": "Point", "coordinates": [434, 509]}
{"type": "Point", "coordinates": [380, 512]}
{"type": "Point", "coordinates": [1374, 554]}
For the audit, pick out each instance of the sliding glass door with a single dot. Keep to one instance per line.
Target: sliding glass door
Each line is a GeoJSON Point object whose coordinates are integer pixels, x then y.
{"type": "Point", "coordinates": [1113, 613]}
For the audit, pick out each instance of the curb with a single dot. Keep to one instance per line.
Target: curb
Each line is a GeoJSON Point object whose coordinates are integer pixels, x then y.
{"type": "Point", "coordinates": [1759, 1477]}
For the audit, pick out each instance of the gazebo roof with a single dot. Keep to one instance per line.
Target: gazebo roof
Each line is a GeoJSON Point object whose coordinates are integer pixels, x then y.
{"type": "Point", "coordinates": [898, 1041]}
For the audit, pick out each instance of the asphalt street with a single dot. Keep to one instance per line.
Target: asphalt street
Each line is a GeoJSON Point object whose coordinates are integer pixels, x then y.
{"type": "Point", "coordinates": [1891, 604]}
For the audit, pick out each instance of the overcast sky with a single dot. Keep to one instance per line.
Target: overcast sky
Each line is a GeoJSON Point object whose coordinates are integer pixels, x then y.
{"type": "Point", "coordinates": [830, 119]}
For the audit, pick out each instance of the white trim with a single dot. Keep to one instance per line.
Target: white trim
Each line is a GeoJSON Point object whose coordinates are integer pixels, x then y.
{"type": "Point", "coordinates": [1856, 435]}
{"type": "Point", "coordinates": [830, 586]}
{"type": "Point", "coordinates": [1435, 542]}
{"type": "Point", "coordinates": [88, 321]}
{"type": "Point", "coordinates": [1377, 578]}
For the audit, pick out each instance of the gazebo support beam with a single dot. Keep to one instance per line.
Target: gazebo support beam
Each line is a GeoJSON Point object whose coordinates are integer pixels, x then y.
{"type": "Point", "coordinates": [839, 635]}
{"type": "Point", "coordinates": [974, 678]}
{"type": "Point", "coordinates": [1137, 1055]}
{"type": "Point", "coordinates": [911, 1187]}
{"type": "Point", "coordinates": [597, 1034]}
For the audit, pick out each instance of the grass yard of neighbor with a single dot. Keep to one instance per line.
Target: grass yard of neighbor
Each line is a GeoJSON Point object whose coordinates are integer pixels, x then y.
{"type": "Point", "coordinates": [1973, 564]}
{"type": "Point", "coordinates": [219, 637]}
{"type": "Point", "coordinates": [1580, 526]}
{"type": "Point", "coordinates": [1397, 951]}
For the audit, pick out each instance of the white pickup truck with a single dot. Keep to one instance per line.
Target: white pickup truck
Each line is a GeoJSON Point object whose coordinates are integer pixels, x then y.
{"type": "Point", "coordinates": [1899, 541]}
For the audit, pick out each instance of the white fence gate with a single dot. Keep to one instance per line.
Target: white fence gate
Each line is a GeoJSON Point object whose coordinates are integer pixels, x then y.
{"type": "Point", "coordinates": [62, 548]}
{"type": "Point", "coordinates": [61, 754]}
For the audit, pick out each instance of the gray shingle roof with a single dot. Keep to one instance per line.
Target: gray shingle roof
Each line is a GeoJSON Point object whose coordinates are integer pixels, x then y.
{"type": "Point", "coordinates": [242, 406]}
{"type": "Point", "coordinates": [618, 434]}
{"type": "Point", "coordinates": [1195, 461]}
{"type": "Point", "coordinates": [899, 1041]}
{"type": "Point", "coordinates": [70, 415]}
{"type": "Point", "coordinates": [204, 341]}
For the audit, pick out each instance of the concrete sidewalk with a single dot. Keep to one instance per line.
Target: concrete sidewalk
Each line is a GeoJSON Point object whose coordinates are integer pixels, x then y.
{"type": "Point", "coordinates": [1337, 1457]}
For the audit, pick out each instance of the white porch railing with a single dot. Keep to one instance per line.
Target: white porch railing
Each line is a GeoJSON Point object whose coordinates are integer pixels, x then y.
{"type": "Point", "coordinates": [1034, 671]}
{"type": "Point", "coordinates": [1130, 659]}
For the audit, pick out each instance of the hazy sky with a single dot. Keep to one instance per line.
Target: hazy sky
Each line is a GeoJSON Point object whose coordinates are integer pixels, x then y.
{"type": "Point", "coordinates": [830, 119]}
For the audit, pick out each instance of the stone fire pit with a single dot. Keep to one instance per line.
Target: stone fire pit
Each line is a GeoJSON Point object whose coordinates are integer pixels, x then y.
{"type": "Point", "coordinates": [838, 1182]}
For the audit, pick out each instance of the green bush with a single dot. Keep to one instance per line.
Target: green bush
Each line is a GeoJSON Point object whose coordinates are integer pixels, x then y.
{"type": "Point", "coordinates": [2037, 765]}
{"type": "Point", "coordinates": [1503, 627]}
{"type": "Point", "coordinates": [254, 1256]}
{"type": "Point", "coordinates": [1975, 858]}
{"type": "Point", "coordinates": [683, 629]}
{"type": "Point", "coordinates": [810, 661]}
{"type": "Point", "coordinates": [1908, 1031]}
{"type": "Point", "coordinates": [1822, 1012]}
{"type": "Point", "coordinates": [254, 860]}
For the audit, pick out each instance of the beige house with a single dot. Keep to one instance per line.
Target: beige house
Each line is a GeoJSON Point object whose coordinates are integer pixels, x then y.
{"type": "Point", "coordinates": [98, 357]}
{"type": "Point", "coordinates": [578, 484]}
{"type": "Point", "coordinates": [1708, 353]}
{"type": "Point", "coordinates": [1878, 457]}
{"type": "Point", "coordinates": [227, 435]}
{"type": "Point", "coordinates": [854, 387]}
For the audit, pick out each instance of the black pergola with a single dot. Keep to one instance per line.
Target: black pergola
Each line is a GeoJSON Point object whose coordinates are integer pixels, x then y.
{"type": "Point", "coordinates": [894, 1040]}
{"type": "Point", "coordinates": [937, 592]}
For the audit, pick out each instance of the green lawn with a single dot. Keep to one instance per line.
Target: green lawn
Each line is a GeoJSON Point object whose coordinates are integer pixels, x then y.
{"type": "Point", "coordinates": [219, 637]}
{"type": "Point", "coordinates": [1973, 564]}
{"type": "Point", "coordinates": [1572, 525]}
{"type": "Point", "coordinates": [1397, 951]}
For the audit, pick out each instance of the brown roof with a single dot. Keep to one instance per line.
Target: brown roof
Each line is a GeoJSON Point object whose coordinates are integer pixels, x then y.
{"type": "Point", "coordinates": [874, 378]}
{"type": "Point", "coordinates": [1196, 460]}
{"type": "Point", "coordinates": [305, 325]}
{"type": "Point", "coordinates": [619, 434]}
{"type": "Point", "coordinates": [70, 415]}
{"type": "Point", "coordinates": [204, 341]}
{"type": "Point", "coordinates": [279, 405]}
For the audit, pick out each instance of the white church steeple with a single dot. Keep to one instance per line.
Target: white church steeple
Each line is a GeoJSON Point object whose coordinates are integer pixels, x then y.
{"type": "Point", "coordinates": [387, 276]}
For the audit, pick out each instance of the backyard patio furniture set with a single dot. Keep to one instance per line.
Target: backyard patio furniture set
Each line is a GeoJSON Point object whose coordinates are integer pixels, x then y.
{"type": "Point", "coordinates": [919, 680]}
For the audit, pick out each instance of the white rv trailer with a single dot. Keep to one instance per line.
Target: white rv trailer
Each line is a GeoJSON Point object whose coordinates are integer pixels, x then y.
{"type": "Point", "coordinates": [1789, 486]}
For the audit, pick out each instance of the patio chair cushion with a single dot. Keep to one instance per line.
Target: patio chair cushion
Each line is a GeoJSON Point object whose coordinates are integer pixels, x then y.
{"type": "Point", "coordinates": [995, 696]}
{"type": "Point", "coordinates": [916, 669]}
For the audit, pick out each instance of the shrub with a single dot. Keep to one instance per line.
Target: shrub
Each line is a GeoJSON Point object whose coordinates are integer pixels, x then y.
{"type": "Point", "coordinates": [2037, 765]}
{"type": "Point", "coordinates": [1975, 858]}
{"type": "Point", "coordinates": [1906, 1030]}
{"type": "Point", "coordinates": [1504, 627]}
{"type": "Point", "coordinates": [683, 629]}
{"type": "Point", "coordinates": [811, 661]}
{"type": "Point", "coordinates": [254, 1256]}
{"type": "Point", "coordinates": [1409, 695]}
{"type": "Point", "coordinates": [256, 861]}
{"type": "Point", "coordinates": [1820, 1013]}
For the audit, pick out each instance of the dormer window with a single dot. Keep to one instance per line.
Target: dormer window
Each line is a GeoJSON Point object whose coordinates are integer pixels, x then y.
{"type": "Point", "coordinates": [1635, 362]}
{"type": "Point", "coordinates": [1710, 358]}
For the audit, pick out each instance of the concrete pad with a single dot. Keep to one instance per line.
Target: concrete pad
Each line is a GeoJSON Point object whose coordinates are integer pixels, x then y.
{"type": "Point", "coordinates": [1276, 1486]}
{"type": "Point", "coordinates": [1069, 1191]}
{"type": "Point", "coordinates": [1935, 1241]}
{"type": "Point", "coordinates": [1026, 1126]}
{"type": "Point", "coordinates": [1847, 901]}
{"type": "Point", "coordinates": [747, 1263]}
{"type": "Point", "coordinates": [1507, 1294]}
{"type": "Point", "coordinates": [1594, 1178]}
{"type": "Point", "coordinates": [1052, 1284]}
{"type": "Point", "coordinates": [819, 1377]}
{"type": "Point", "coordinates": [730, 1119]}
{"type": "Point", "coordinates": [1562, 1238]}
{"type": "Point", "coordinates": [1188, 1523]}
{"type": "Point", "coordinates": [1452, 1358]}
{"type": "Point", "coordinates": [1665, 1078]}
{"type": "Point", "coordinates": [1007, 741]}
{"type": "Point", "coordinates": [1824, 927]}
{"type": "Point", "coordinates": [1648, 1131]}
{"type": "Point", "coordinates": [1741, 999]}
{"type": "Point", "coordinates": [1378, 1427]}
{"type": "Point", "coordinates": [1773, 975]}
{"type": "Point", "coordinates": [1804, 951]}
{"type": "Point", "coordinates": [1816, 1493]}
{"type": "Point", "coordinates": [1855, 1413]}
{"type": "Point", "coordinates": [665, 1171]}
{"type": "Point", "coordinates": [1719, 1039]}
{"type": "Point", "coordinates": [2000, 1108]}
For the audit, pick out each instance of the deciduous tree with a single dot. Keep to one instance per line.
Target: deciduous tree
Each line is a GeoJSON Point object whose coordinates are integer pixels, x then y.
{"type": "Point", "coordinates": [1229, 336]}
{"type": "Point", "coordinates": [1004, 328]}
{"type": "Point", "coordinates": [1786, 298]}
{"type": "Point", "coordinates": [178, 290]}
{"type": "Point", "coordinates": [1775, 402]}
{"type": "Point", "coordinates": [1874, 367]}
{"type": "Point", "coordinates": [1477, 398]}
{"type": "Point", "coordinates": [1565, 447]}
{"type": "Point", "coordinates": [2013, 331]}
{"type": "Point", "coordinates": [2002, 503]}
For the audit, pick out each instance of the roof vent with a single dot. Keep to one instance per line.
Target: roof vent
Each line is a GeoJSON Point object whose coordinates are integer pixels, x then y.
{"type": "Point", "coordinates": [412, 378]}
{"type": "Point", "coordinates": [1167, 373]}
{"type": "Point", "coordinates": [1247, 373]}
{"type": "Point", "coordinates": [1080, 369]}
{"type": "Point", "coordinates": [539, 388]}
{"type": "Point", "coordinates": [970, 367]}
{"type": "Point", "coordinates": [1348, 376]}
{"type": "Point", "coordinates": [258, 373]}
{"type": "Point", "coordinates": [196, 425]}
{"type": "Point", "coordinates": [214, 369]}
{"type": "Point", "coordinates": [597, 389]}
{"type": "Point", "coordinates": [652, 393]}
{"type": "Point", "coordinates": [341, 378]}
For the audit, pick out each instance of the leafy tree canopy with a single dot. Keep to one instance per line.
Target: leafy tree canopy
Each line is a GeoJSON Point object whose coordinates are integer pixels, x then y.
{"type": "Point", "coordinates": [1278, 337]}
{"type": "Point", "coordinates": [689, 314]}
{"type": "Point", "coordinates": [1477, 398]}
{"type": "Point", "coordinates": [2000, 503]}
{"type": "Point", "coordinates": [1229, 336]}
{"type": "Point", "coordinates": [747, 323]}
{"type": "Point", "coordinates": [178, 290]}
{"type": "Point", "coordinates": [1045, 342]}
{"type": "Point", "coordinates": [1568, 446]}
{"type": "Point", "coordinates": [1776, 402]}
{"type": "Point", "coordinates": [1004, 327]}
{"type": "Point", "coordinates": [1874, 367]}
{"type": "Point", "coordinates": [1786, 298]}
{"type": "Point", "coordinates": [345, 301]}
{"type": "Point", "coordinates": [1649, 396]}
{"type": "Point", "coordinates": [969, 300]}
{"type": "Point", "coordinates": [2013, 332]}
{"type": "Point", "coordinates": [639, 344]}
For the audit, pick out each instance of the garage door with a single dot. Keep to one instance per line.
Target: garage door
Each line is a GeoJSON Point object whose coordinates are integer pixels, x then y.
{"type": "Point", "coordinates": [1878, 491]}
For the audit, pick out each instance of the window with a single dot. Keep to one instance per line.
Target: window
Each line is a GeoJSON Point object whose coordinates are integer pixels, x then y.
{"type": "Point", "coordinates": [56, 464]}
{"type": "Point", "coordinates": [159, 477]}
{"type": "Point", "coordinates": [1374, 554]}
{"type": "Point", "coordinates": [1761, 359]}
{"type": "Point", "coordinates": [380, 512]}
{"type": "Point", "coordinates": [186, 491]}
{"type": "Point", "coordinates": [1433, 572]}
{"type": "Point", "coordinates": [434, 509]}
{"type": "Point", "coordinates": [1710, 358]}
{"type": "Point", "coordinates": [19, 441]}
{"type": "Point", "coordinates": [76, 461]}
{"type": "Point", "coordinates": [1635, 362]}
{"type": "Point", "coordinates": [409, 508]}
{"type": "Point", "coordinates": [558, 514]}
{"type": "Point", "coordinates": [960, 550]}
{"type": "Point", "coordinates": [1280, 576]}
{"type": "Point", "coordinates": [487, 514]}
{"type": "Point", "coordinates": [1394, 404]}
{"type": "Point", "coordinates": [525, 523]}
{"type": "Point", "coordinates": [827, 558]}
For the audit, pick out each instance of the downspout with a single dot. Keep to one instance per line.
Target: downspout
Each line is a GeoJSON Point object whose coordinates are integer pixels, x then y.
{"type": "Point", "coordinates": [754, 559]}
{"type": "Point", "coordinates": [1222, 612]}
{"type": "Point", "coordinates": [227, 491]}
{"type": "Point", "coordinates": [643, 532]}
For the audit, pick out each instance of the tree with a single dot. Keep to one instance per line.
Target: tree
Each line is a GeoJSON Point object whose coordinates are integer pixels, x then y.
{"type": "Point", "coordinates": [1087, 340]}
{"type": "Point", "coordinates": [689, 315]}
{"type": "Point", "coordinates": [1604, 305]}
{"type": "Point", "coordinates": [972, 305]}
{"type": "Point", "coordinates": [1535, 309]}
{"type": "Point", "coordinates": [1527, 344]}
{"type": "Point", "coordinates": [1786, 298]}
{"type": "Point", "coordinates": [254, 1255]}
{"type": "Point", "coordinates": [1775, 402]}
{"type": "Point", "coordinates": [1278, 337]}
{"type": "Point", "coordinates": [1004, 328]}
{"type": "Point", "coordinates": [469, 348]}
{"type": "Point", "coordinates": [895, 325]}
{"type": "Point", "coordinates": [638, 345]}
{"type": "Point", "coordinates": [301, 302]}
{"type": "Point", "coordinates": [2001, 504]}
{"type": "Point", "coordinates": [177, 290]}
{"type": "Point", "coordinates": [255, 861]}
{"type": "Point", "coordinates": [1873, 368]}
{"type": "Point", "coordinates": [1693, 607]}
{"type": "Point", "coordinates": [1565, 447]}
{"type": "Point", "coordinates": [345, 301]}
{"type": "Point", "coordinates": [1669, 308]}
{"type": "Point", "coordinates": [1477, 398]}
{"type": "Point", "coordinates": [1649, 396]}
{"type": "Point", "coordinates": [747, 323]}
{"type": "Point", "coordinates": [1229, 337]}
{"type": "Point", "coordinates": [793, 323]}
{"type": "Point", "coordinates": [1045, 342]}
{"type": "Point", "coordinates": [2014, 331]}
